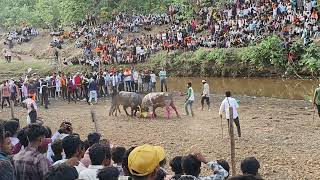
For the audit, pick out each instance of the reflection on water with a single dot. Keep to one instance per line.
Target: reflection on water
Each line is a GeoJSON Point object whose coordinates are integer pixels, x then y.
{"type": "Point", "coordinates": [277, 88]}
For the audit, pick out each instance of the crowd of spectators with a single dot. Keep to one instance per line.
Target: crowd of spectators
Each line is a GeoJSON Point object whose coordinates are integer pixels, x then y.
{"type": "Point", "coordinates": [33, 152]}
{"type": "Point", "coordinates": [79, 86]}
{"type": "Point", "coordinates": [235, 25]}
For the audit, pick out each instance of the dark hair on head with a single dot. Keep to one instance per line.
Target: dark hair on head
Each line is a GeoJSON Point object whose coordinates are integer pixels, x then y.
{"type": "Point", "coordinates": [191, 165]}
{"type": "Point", "coordinates": [11, 126]}
{"type": "Point", "coordinates": [49, 132]}
{"type": "Point", "coordinates": [243, 177]}
{"type": "Point", "coordinates": [175, 165]}
{"type": "Point", "coordinates": [108, 173]}
{"type": "Point", "coordinates": [7, 134]}
{"type": "Point", "coordinates": [93, 138]}
{"type": "Point", "coordinates": [86, 145]}
{"type": "Point", "coordinates": [71, 144]}
{"type": "Point", "coordinates": [56, 147]}
{"type": "Point", "coordinates": [22, 136]}
{"type": "Point", "coordinates": [250, 165]}
{"type": "Point", "coordinates": [224, 164]}
{"type": "Point", "coordinates": [163, 162]}
{"type": "Point", "coordinates": [62, 172]}
{"type": "Point", "coordinates": [35, 131]}
{"type": "Point", "coordinates": [228, 94]}
{"type": "Point", "coordinates": [125, 161]}
{"type": "Point", "coordinates": [117, 154]}
{"type": "Point", "coordinates": [189, 84]}
{"type": "Point", "coordinates": [98, 153]}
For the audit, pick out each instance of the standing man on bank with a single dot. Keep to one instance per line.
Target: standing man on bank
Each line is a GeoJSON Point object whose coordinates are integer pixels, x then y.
{"type": "Point", "coordinates": [316, 99]}
{"type": "Point", "coordinates": [230, 102]}
{"type": "Point", "coordinates": [205, 95]}
{"type": "Point", "coordinates": [163, 79]}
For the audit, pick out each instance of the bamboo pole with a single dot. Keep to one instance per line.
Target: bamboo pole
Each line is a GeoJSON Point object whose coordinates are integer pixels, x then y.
{"type": "Point", "coordinates": [232, 142]}
{"type": "Point", "coordinates": [94, 120]}
{"type": "Point", "coordinates": [12, 110]}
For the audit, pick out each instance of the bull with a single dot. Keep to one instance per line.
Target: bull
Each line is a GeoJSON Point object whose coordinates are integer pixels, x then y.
{"type": "Point", "coordinates": [126, 99]}
{"type": "Point", "coordinates": [158, 99]}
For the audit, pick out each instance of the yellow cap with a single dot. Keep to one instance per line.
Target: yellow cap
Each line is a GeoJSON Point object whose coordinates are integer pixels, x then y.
{"type": "Point", "coordinates": [143, 160]}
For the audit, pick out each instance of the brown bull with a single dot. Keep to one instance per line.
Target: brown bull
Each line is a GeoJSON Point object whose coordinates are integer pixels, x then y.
{"type": "Point", "coordinates": [126, 99]}
{"type": "Point", "coordinates": [158, 99]}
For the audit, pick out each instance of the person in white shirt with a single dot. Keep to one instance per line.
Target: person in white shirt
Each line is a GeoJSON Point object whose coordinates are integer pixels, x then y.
{"type": "Point", "coordinates": [153, 81]}
{"type": "Point", "coordinates": [72, 149]}
{"type": "Point", "coordinates": [100, 156]}
{"type": "Point", "coordinates": [230, 102]}
{"type": "Point", "coordinates": [31, 106]}
{"type": "Point", "coordinates": [189, 100]}
{"type": "Point", "coordinates": [205, 95]}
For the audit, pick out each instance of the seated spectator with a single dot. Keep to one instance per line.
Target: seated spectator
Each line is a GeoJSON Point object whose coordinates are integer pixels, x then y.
{"type": "Point", "coordinates": [250, 166]}
{"type": "Point", "coordinates": [57, 150]}
{"type": "Point", "coordinates": [125, 163]}
{"type": "Point", "coordinates": [72, 149]}
{"type": "Point", "coordinates": [100, 156]}
{"type": "Point", "coordinates": [92, 139]}
{"type": "Point", "coordinates": [12, 127]}
{"type": "Point", "coordinates": [191, 165]}
{"type": "Point", "coordinates": [30, 163]}
{"type": "Point", "coordinates": [161, 174]}
{"type": "Point", "coordinates": [175, 165]}
{"type": "Point", "coordinates": [6, 167]}
{"type": "Point", "coordinates": [65, 130]}
{"type": "Point", "coordinates": [108, 173]}
{"type": "Point", "coordinates": [117, 158]}
{"type": "Point", "coordinates": [143, 162]}
{"type": "Point", "coordinates": [62, 172]}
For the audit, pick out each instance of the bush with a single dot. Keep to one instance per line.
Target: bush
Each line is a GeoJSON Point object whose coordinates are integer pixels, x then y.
{"type": "Point", "coordinates": [310, 60]}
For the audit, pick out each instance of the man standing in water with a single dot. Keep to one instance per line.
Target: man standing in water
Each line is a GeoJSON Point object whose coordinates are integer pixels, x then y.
{"type": "Point", "coordinates": [316, 99]}
{"type": "Point", "coordinates": [205, 95]}
{"type": "Point", "coordinates": [231, 102]}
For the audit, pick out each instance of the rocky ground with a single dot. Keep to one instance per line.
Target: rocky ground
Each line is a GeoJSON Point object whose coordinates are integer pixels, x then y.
{"type": "Point", "coordinates": [279, 133]}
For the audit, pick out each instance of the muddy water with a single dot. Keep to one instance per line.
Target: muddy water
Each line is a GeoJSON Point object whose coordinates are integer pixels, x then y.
{"type": "Point", "coordinates": [260, 87]}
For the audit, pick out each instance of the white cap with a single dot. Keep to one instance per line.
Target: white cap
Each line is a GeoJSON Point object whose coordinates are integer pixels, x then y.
{"type": "Point", "coordinates": [203, 81]}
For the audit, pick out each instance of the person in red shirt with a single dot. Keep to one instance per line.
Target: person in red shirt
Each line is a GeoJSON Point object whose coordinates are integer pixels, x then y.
{"type": "Point", "coordinates": [5, 93]}
{"type": "Point", "coordinates": [77, 82]}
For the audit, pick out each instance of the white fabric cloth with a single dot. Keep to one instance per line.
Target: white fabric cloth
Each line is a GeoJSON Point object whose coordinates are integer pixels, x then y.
{"type": "Point", "coordinates": [153, 78]}
{"type": "Point", "coordinates": [229, 102]}
{"type": "Point", "coordinates": [206, 90]}
{"type": "Point", "coordinates": [90, 173]}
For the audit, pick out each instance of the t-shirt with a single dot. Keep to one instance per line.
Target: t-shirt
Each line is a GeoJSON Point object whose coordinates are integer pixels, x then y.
{"type": "Point", "coordinates": [190, 94]}
{"type": "Point", "coordinates": [153, 78]}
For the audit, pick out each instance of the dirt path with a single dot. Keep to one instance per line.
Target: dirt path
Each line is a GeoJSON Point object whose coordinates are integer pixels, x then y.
{"type": "Point", "coordinates": [279, 133]}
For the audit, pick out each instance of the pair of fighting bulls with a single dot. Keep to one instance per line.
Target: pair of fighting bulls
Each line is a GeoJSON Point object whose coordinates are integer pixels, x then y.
{"type": "Point", "coordinates": [147, 104]}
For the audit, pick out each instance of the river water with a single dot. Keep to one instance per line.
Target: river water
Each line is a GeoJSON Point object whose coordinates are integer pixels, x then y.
{"type": "Point", "coordinates": [259, 87]}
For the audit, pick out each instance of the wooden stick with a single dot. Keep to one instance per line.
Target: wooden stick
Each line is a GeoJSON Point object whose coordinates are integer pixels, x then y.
{"type": "Point", "coordinates": [232, 142]}
{"type": "Point", "coordinates": [314, 112]}
{"type": "Point", "coordinates": [221, 127]}
{"type": "Point", "coordinates": [12, 110]}
{"type": "Point", "coordinates": [94, 120]}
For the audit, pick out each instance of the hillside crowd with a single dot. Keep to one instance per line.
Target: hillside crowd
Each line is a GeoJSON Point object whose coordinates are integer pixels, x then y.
{"type": "Point", "coordinates": [32, 152]}
{"type": "Point", "coordinates": [236, 25]}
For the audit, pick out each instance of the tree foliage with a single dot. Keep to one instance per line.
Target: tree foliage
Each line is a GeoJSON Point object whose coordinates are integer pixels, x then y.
{"type": "Point", "coordinates": [54, 12]}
